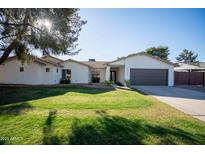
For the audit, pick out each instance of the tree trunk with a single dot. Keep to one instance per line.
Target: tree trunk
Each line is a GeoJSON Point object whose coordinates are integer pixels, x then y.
{"type": "Point", "coordinates": [7, 52]}
{"type": "Point", "coordinates": [11, 47]}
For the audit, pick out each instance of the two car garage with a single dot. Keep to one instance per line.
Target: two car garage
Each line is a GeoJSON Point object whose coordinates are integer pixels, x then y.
{"type": "Point", "coordinates": [144, 69]}
{"type": "Point", "coordinates": [156, 77]}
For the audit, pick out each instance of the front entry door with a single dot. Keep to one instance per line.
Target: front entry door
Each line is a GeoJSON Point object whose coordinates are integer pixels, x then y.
{"type": "Point", "coordinates": [113, 76]}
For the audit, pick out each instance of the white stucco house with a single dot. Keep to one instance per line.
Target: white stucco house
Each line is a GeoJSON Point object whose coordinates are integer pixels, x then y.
{"type": "Point", "coordinates": [138, 69]}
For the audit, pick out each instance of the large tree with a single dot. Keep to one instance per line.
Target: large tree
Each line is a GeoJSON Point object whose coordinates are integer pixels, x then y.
{"type": "Point", "coordinates": [160, 51]}
{"type": "Point", "coordinates": [187, 56]}
{"type": "Point", "coordinates": [52, 31]}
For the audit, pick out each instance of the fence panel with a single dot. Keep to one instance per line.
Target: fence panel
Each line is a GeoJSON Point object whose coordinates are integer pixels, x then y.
{"type": "Point", "coordinates": [181, 78]}
{"type": "Point", "coordinates": [196, 78]}
{"type": "Point", "coordinates": [189, 78]}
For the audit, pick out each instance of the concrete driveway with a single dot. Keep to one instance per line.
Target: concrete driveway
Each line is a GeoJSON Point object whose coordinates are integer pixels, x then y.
{"type": "Point", "coordinates": [188, 101]}
{"type": "Point", "coordinates": [195, 88]}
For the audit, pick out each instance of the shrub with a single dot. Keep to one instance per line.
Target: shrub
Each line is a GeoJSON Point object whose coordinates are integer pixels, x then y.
{"type": "Point", "coordinates": [108, 83]}
{"type": "Point", "coordinates": [127, 82]}
{"type": "Point", "coordinates": [65, 81]}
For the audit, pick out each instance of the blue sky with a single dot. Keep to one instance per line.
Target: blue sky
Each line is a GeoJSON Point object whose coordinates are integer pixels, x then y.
{"type": "Point", "coordinates": [112, 33]}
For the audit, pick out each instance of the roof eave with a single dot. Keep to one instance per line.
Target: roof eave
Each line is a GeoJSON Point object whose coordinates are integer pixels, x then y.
{"type": "Point", "coordinates": [75, 62]}
{"type": "Point", "coordinates": [143, 53]}
{"type": "Point", "coordinates": [52, 57]}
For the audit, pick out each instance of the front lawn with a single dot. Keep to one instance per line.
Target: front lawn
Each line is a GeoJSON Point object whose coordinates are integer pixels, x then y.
{"type": "Point", "coordinates": [77, 115]}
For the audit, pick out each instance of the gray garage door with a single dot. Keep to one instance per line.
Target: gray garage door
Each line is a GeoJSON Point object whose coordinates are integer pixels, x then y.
{"type": "Point", "coordinates": [148, 76]}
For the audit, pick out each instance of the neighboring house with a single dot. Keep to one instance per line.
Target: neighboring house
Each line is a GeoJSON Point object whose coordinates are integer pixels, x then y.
{"type": "Point", "coordinates": [139, 69]}
{"type": "Point", "coordinates": [192, 67]}
{"type": "Point", "coordinates": [189, 74]}
{"type": "Point", "coordinates": [202, 65]}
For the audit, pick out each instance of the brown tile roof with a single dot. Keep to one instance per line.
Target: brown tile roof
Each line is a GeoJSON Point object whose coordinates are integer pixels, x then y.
{"type": "Point", "coordinates": [38, 60]}
{"type": "Point", "coordinates": [79, 62]}
{"type": "Point", "coordinates": [52, 63]}
{"type": "Point", "coordinates": [44, 57]}
{"type": "Point", "coordinates": [95, 64]}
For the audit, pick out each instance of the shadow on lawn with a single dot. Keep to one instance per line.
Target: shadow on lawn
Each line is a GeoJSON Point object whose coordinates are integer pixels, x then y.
{"type": "Point", "coordinates": [2, 142]}
{"type": "Point", "coordinates": [16, 95]}
{"type": "Point", "coordinates": [141, 92]}
{"type": "Point", "coordinates": [114, 130]}
{"type": "Point", "coordinates": [15, 109]}
{"type": "Point", "coordinates": [49, 137]}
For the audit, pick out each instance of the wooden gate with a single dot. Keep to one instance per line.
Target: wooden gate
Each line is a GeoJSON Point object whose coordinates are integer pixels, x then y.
{"type": "Point", "coordinates": [189, 78]}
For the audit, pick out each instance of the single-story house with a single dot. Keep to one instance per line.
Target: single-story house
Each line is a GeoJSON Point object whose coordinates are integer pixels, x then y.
{"type": "Point", "coordinates": [138, 69]}
{"type": "Point", "coordinates": [191, 67]}
{"type": "Point", "coordinates": [202, 65]}
{"type": "Point", "coordinates": [189, 73]}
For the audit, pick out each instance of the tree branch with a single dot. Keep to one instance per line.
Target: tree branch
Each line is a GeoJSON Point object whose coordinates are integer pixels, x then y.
{"type": "Point", "coordinates": [20, 24]}
{"type": "Point", "coordinates": [13, 24]}
{"type": "Point", "coordinates": [7, 51]}
{"type": "Point", "coordinates": [7, 36]}
{"type": "Point", "coordinates": [10, 48]}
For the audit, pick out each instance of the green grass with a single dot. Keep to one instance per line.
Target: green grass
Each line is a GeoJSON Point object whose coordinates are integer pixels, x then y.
{"type": "Point", "coordinates": [77, 115]}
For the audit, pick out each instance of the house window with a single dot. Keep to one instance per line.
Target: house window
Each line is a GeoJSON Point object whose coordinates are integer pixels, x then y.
{"type": "Point", "coordinates": [66, 74]}
{"type": "Point", "coordinates": [47, 69]}
{"type": "Point", "coordinates": [95, 76]}
{"type": "Point", "coordinates": [21, 69]}
{"type": "Point", "coordinates": [57, 70]}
